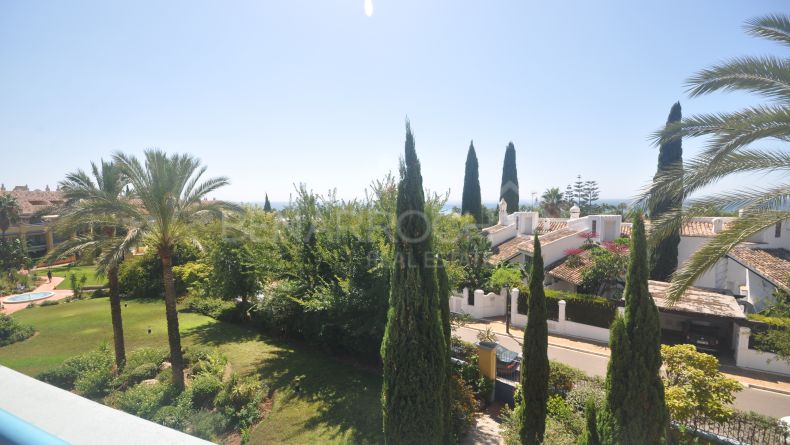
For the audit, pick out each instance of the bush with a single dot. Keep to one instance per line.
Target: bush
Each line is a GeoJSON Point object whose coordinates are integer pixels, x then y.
{"type": "Point", "coordinates": [559, 410]}
{"type": "Point", "coordinates": [172, 416]}
{"type": "Point", "coordinates": [95, 383]}
{"type": "Point", "coordinates": [50, 303]}
{"type": "Point", "coordinates": [144, 356]}
{"type": "Point", "coordinates": [216, 308]}
{"type": "Point", "coordinates": [206, 360]}
{"type": "Point", "coordinates": [207, 424]}
{"type": "Point", "coordinates": [141, 364]}
{"type": "Point", "coordinates": [463, 407]}
{"type": "Point", "coordinates": [584, 390]}
{"type": "Point", "coordinates": [143, 400]}
{"type": "Point", "coordinates": [11, 331]}
{"type": "Point", "coordinates": [585, 309]}
{"type": "Point", "coordinates": [562, 377]}
{"type": "Point", "coordinates": [205, 388]}
{"type": "Point", "coordinates": [239, 400]}
{"type": "Point", "coordinates": [141, 276]}
{"type": "Point", "coordinates": [65, 375]}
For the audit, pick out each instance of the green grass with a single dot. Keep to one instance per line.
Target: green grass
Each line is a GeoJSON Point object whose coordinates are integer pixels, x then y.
{"type": "Point", "coordinates": [334, 402]}
{"type": "Point", "coordinates": [65, 271]}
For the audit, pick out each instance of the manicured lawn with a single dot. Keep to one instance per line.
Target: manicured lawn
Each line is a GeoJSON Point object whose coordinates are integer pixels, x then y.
{"type": "Point", "coordinates": [65, 272]}
{"type": "Point", "coordinates": [333, 402]}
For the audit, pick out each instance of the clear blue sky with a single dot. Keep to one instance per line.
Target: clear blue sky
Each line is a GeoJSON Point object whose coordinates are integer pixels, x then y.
{"type": "Point", "coordinates": [274, 93]}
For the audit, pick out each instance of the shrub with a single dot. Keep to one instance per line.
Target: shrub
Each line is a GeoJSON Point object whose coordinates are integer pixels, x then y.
{"type": "Point", "coordinates": [205, 388]}
{"type": "Point", "coordinates": [172, 416]}
{"type": "Point", "coordinates": [95, 383]}
{"type": "Point", "coordinates": [141, 276]}
{"type": "Point", "coordinates": [206, 360]}
{"type": "Point", "coordinates": [463, 407]}
{"type": "Point", "coordinates": [144, 356]}
{"type": "Point", "coordinates": [143, 400]}
{"type": "Point", "coordinates": [558, 409]}
{"type": "Point", "coordinates": [50, 303]}
{"type": "Point", "coordinates": [562, 377]}
{"type": "Point", "coordinates": [216, 308]}
{"type": "Point", "coordinates": [11, 331]}
{"type": "Point", "coordinates": [207, 424]}
{"type": "Point", "coordinates": [584, 390]}
{"type": "Point", "coordinates": [239, 400]}
{"type": "Point", "coordinates": [67, 374]}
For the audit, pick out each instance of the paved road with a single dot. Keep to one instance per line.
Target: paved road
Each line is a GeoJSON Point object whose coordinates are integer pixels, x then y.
{"type": "Point", "coordinates": [750, 399]}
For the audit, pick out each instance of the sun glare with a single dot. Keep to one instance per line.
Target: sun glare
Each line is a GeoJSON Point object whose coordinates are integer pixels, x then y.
{"type": "Point", "coordinates": [368, 8]}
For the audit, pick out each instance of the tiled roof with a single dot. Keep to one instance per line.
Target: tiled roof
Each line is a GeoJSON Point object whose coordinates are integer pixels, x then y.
{"type": "Point", "coordinates": [771, 264]}
{"type": "Point", "coordinates": [548, 225]}
{"type": "Point", "coordinates": [572, 275]}
{"type": "Point", "coordinates": [689, 228]}
{"type": "Point", "coordinates": [523, 244]}
{"type": "Point", "coordinates": [696, 301]}
{"type": "Point", "coordinates": [33, 201]}
{"type": "Point", "coordinates": [495, 228]}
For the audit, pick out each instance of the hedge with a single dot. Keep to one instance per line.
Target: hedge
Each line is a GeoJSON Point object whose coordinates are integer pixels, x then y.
{"type": "Point", "coordinates": [760, 324]}
{"type": "Point", "coordinates": [580, 308]}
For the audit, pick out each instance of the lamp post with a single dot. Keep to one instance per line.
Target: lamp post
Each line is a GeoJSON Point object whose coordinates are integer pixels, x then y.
{"type": "Point", "coordinates": [507, 309]}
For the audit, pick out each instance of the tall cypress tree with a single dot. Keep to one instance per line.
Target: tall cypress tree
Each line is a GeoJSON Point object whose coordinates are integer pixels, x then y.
{"type": "Point", "coordinates": [471, 202]}
{"type": "Point", "coordinates": [635, 409]}
{"type": "Point", "coordinates": [646, 411]}
{"type": "Point", "coordinates": [509, 189]}
{"type": "Point", "coordinates": [267, 206]}
{"type": "Point", "coordinates": [444, 307]}
{"type": "Point", "coordinates": [535, 361]}
{"type": "Point", "coordinates": [664, 256]}
{"type": "Point", "coordinates": [413, 348]}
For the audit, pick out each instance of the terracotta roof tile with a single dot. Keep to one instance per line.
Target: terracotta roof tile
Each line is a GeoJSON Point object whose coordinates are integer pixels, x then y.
{"type": "Point", "coordinates": [696, 301]}
{"type": "Point", "coordinates": [523, 244]}
{"type": "Point", "coordinates": [35, 200]}
{"type": "Point", "coordinates": [771, 264]}
{"type": "Point", "coordinates": [572, 275]}
{"type": "Point", "coordinates": [689, 228]}
{"type": "Point", "coordinates": [495, 228]}
{"type": "Point", "coordinates": [548, 225]}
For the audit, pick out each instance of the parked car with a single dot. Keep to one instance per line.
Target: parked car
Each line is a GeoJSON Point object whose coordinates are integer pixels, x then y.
{"type": "Point", "coordinates": [703, 337]}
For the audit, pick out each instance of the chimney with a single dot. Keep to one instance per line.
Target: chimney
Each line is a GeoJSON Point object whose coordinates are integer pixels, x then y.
{"type": "Point", "coordinates": [740, 213]}
{"type": "Point", "coordinates": [502, 212]}
{"type": "Point", "coordinates": [575, 212]}
{"type": "Point", "coordinates": [718, 225]}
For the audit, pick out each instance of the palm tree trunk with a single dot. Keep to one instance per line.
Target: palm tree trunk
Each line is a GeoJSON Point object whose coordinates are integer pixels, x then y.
{"type": "Point", "coordinates": [173, 334]}
{"type": "Point", "coordinates": [117, 321]}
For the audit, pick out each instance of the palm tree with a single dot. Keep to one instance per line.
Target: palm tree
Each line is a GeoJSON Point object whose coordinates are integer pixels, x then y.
{"type": "Point", "coordinates": [551, 202]}
{"type": "Point", "coordinates": [729, 151]}
{"type": "Point", "coordinates": [170, 204]}
{"type": "Point", "coordinates": [9, 212]}
{"type": "Point", "coordinates": [101, 232]}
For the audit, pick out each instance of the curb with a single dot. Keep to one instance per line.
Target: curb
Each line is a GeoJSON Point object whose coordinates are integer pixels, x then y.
{"type": "Point", "coordinates": [766, 388]}
{"type": "Point", "coordinates": [556, 345]}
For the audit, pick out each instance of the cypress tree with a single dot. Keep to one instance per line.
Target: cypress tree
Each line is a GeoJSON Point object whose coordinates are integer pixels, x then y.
{"type": "Point", "coordinates": [611, 419]}
{"type": "Point", "coordinates": [413, 348]}
{"type": "Point", "coordinates": [444, 307]}
{"type": "Point", "coordinates": [635, 409]}
{"type": "Point", "coordinates": [267, 206]}
{"type": "Point", "coordinates": [535, 359]}
{"type": "Point", "coordinates": [646, 411]}
{"type": "Point", "coordinates": [590, 434]}
{"type": "Point", "coordinates": [664, 256]}
{"type": "Point", "coordinates": [509, 189]}
{"type": "Point", "coordinates": [471, 202]}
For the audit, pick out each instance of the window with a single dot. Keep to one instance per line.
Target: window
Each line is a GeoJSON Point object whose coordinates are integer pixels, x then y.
{"type": "Point", "coordinates": [778, 230]}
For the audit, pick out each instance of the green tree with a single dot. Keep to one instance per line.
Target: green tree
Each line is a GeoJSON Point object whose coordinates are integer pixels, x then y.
{"type": "Point", "coordinates": [695, 389]}
{"type": "Point", "coordinates": [612, 419]}
{"type": "Point", "coordinates": [9, 212]}
{"type": "Point", "coordinates": [664, 255]}
{"type": "Point", "coordinates": [641, 415]}
{"type": "Point", "coordinates": [12, 255]}
{"type": "Point", "coordinates": [267, 206]}
{"type": "Point", "coordinates": [169, 207]}
{"type": "Point", "coordinates": [535, 361]}
{"type": "Point", "coordinates": [90, 198]}
{"type": "Point", "coordinates": [509, 189]}
{"type": "Point", "coordinates": [471, 202]}
{"type": "Point", "coordinates": [590, 434]}
{"type": "Point", "coordinates": [233, 271]}
{"type": "Point", "coordinates": [413, 348]}
{"type": "Point", "coordinates": [551, 202]}
{"type": "Point", "coordinates": [729, 152]}
{"type": "Point", "coordinates": [447, 330]}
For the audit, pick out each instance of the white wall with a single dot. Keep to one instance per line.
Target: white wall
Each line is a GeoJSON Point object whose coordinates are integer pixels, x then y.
{"type": "Point", "coordinates": [502, 235]}
{"type": "Point", "coordinates": [760, 291]}
{"type": "Point", "coordinates": [562, 326]}
{"type": "Point", "coordinates": [752, 359]}
{"type": "Point", "coordinates": [486, 305]}
{"type": "Point", "coordinates": [555, 251]}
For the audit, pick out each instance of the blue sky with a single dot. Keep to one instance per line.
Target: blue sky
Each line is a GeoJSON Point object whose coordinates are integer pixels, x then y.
{"type": "Point", "coordinates": [275, 93]}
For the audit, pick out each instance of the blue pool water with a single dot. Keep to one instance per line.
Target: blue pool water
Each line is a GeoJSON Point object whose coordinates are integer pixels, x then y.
{"type": "Point", "coordinates": [30, 296]}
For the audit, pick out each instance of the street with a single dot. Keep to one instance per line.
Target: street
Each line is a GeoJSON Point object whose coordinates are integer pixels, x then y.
{"type": "Point", "coordinates": [750, 399]}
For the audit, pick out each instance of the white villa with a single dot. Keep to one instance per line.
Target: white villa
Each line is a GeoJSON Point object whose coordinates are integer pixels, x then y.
{"type": "Point", "coordinates": [738, 284]}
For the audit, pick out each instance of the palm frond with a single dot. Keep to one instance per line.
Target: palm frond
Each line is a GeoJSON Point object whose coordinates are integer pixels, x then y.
{"type": "Point", "coordinates": [706, 257]}
{"type": "Point", "coordinates": [773, 27]}
{"type": "Point", "coordinates": [767, 76]}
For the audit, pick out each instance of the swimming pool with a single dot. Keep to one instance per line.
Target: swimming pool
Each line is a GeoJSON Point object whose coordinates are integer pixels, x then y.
{"type": "Point", "coordinates": [28, 297]}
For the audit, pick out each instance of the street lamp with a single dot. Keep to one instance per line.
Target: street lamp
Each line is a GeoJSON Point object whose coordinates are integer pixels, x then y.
{"type": "Point", "coordinates": [507, 309]}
